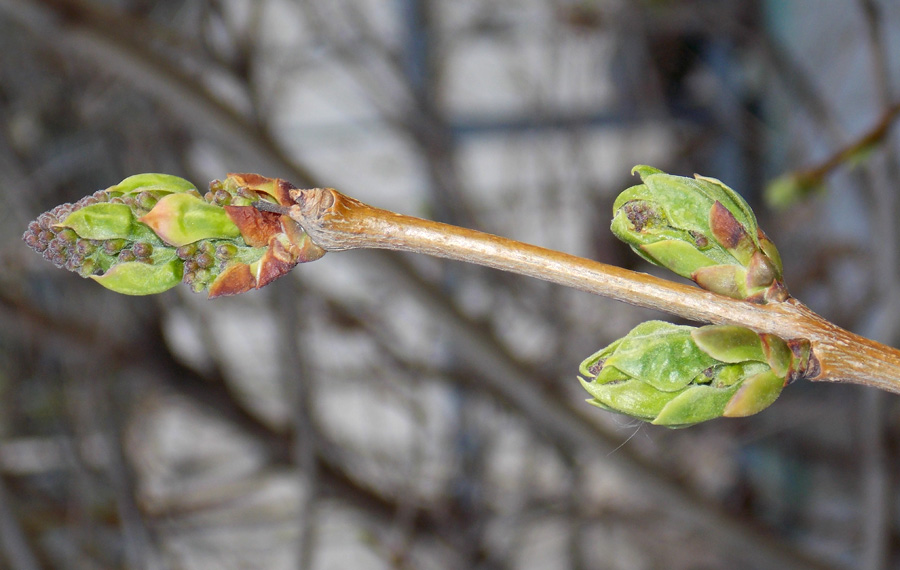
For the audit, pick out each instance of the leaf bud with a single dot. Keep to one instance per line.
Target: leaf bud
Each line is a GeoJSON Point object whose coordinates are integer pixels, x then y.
{"type": "Point", "coordinates": [677, 376]}
{"type": "Point", "coordinates": [700, 229]}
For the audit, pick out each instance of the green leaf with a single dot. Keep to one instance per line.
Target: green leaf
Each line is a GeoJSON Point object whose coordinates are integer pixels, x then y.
{"type": "Point", "coordinates": [677, 256]}
{"type": "Point", "coordinates": [592, 364]}
{"type": "Point", "coordinates": [661, 354]}
{"type": "Point", "coordinates": [778, 354]}
{"type": "Point", "coordinates": [770, 251]}
{"type": "Point", "coordinates": [754, 395]}
{"type": "Point", "coordinates": [731, 200]}
{"type": "Point", "coordinates": [180, 219]}
{"type": "Point", "coordinates": [694, 405]}
{"type": "Point", "coordinates": [138, 278]}
{"type": "Point", "coordinates": [152, 181]}
{"type": "Point", "coordinates": [101, 221]}
{"type": "Point", "coordinates": [728, 343]}
{"type": "Point", "coordinates": [630, 397]}
{"type": "Point", "coordinates": [685, 206]}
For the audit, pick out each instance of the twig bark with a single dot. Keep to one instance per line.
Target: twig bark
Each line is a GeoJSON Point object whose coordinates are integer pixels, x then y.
{"type": "Point", "coordinates": [336, 222]}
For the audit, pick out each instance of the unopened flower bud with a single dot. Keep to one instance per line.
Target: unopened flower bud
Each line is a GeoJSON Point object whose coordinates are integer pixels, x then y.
{"type": "Point", "coordinates": [204, 261]}
{"type": "Point", "coordinates": [186, 251]}
{"type": "Point", "coordinates": [113, 246]}
{"type": "Point", "coordinates": [226, 251]}
{"type": "Point", "coordinates": [142, 249]}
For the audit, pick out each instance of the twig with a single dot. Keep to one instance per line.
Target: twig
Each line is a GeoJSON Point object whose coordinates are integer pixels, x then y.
{"type": "Point", "coordinates": [13, 542]}
{"type": "Point", "coordinates": [336, 222]}
{"type": "Point", "coordinates": [813, 176]}
{"type": "Point", "coordinates": [297, 381]}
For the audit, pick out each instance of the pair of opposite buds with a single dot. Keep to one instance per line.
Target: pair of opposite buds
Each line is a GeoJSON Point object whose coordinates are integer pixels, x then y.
{"type": "Point", "coordinates": [678, 376]}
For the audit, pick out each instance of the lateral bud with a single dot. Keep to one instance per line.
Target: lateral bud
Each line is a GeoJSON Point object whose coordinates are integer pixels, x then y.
{"type": "Point", "coordinates": [700, 229]}
{"type": "Point", "coordinates": [677, 376]}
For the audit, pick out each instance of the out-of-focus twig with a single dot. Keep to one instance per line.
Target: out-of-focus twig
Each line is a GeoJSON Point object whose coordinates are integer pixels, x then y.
{"type": "Point", "coordinates": [792, 185]}
{"type": "Point", "coordinates": [15, 545]}
{"type": "Point", "coordinates": [297, 381]}
{"type": "Point", "coordinates": [877, 486]}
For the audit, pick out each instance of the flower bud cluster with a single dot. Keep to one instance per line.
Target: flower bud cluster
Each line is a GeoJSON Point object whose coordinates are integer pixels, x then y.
{"type": "Point", "coordinates": [152, 231]}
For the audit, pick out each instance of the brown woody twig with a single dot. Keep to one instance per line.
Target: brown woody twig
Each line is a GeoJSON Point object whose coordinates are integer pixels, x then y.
{"type": "Point", "coordinates": [337, 222]}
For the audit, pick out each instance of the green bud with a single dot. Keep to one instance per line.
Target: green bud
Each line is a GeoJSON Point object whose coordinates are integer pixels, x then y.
{"type": "Point", "coordinates": [656, 352]}
{"type": "Point", "coordinates": [700, 229]}
{"type": "Point", "coordinates": [180, 219]}
{"type": "Point", "coordinates": [755, 394]}
{"type": "Point", "coordinates": [101, 221]}
{"type": "Point", "coordinates": [137, 278]}
{"type": "Point", "coordinates": [789, 189]}
{"type": "Point", "coordinates": [694, 405]}
{"type": "Point", "coordinates": [727, 343]}
{"type": "Point", "coordinates": [226, 251]}
{"type": "Point", "coordinates": [778, 354]}
{"type": "Point", "coordinates": [152, 181]}
{"type": "Point", "coordinates": [676, 376]}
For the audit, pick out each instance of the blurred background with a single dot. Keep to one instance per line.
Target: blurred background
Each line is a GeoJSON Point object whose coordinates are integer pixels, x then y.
{"type": "Point", "coordinates": [374, 410]}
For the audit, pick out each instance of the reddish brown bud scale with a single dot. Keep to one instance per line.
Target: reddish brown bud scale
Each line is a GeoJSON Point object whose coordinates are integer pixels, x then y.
{"type": "Point", "coordinates": [235, 279]}
{"type": "Point", "coordinates": [256, 227]}
{"type": "Point", "coordinates": [727, 230]}
{"type": "Point", "coordinates": [274, 187]}
{"type": "Point", "coordinates": [275, 262]}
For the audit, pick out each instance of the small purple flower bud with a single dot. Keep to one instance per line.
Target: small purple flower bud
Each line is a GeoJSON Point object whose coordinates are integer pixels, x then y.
{"type": "Point", "coordinates": [114, 246]}
{"type": "Point", "coordinates": [67, 236]}
{"type": "Point", "coordinates": [85, 247]}
{"type": "Point", "coordinates": [186, 251]}
{"type": "Point", "coordinates": [46, 220]}
{"type": "Point", "coordinates": [89, 267]}
{"type": "Point", "coordinates": [142, 249]}
{"type": "Point", "coordinates": [222, 197]}
{"type": "Point", "coordinates": [145, 200]}
{"type": "Point", "coordinates": [34, 242]}
{"type": "Point", "coordinates": [204, 260]}
{"type": "Point", "coordinates": [56, 247]}
{"type": "Point", "coordinates": [226, 251]}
